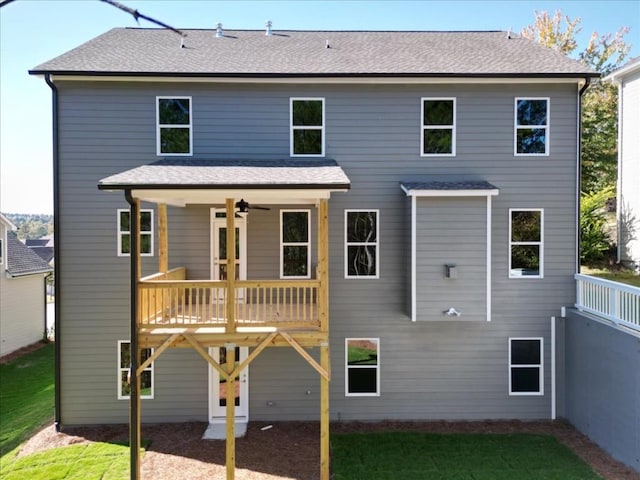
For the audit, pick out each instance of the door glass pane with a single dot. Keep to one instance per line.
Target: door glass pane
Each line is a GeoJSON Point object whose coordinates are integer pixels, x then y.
{"type": "Point", "coordinates": [222, 402]}
{"type": "Point", "coordinates": [222, 243]}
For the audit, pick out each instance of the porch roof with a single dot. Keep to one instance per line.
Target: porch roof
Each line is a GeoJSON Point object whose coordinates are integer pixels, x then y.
{"type": "Point", "coordinates": [179, 181]}
{"type": "Point", "coordinates": [452, 188]}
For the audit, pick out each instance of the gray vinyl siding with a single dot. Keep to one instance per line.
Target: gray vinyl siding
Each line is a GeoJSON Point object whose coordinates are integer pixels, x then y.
{"type": "Point", "coordinates": [451, 231]}
{"type": "Point", "coordinates": [429, 370]}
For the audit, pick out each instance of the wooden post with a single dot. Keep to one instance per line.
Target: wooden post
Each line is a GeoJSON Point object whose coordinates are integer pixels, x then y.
{"type": "Point", "coordinates": [323, 313]}
{"type": "Point", "coordinates": [324, 413]}
{"type": "Point", "coordinates": [231, 267]}
{"type": "Point", "coordinates": [231, 410]}
{"type": "Point", "coordinates": [163, 239]}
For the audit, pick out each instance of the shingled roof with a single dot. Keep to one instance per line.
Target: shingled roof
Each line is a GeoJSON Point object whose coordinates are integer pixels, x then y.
{"type": "Point", "coordinates": [21, 260]}
{"type": "Point", "coordinates": [178, 173]}
{"type": "Point", "coordinates": [251, 53]}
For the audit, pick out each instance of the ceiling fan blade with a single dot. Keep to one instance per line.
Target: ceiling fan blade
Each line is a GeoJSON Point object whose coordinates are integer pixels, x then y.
{"type": "Point", "coordinates": [258, 207]}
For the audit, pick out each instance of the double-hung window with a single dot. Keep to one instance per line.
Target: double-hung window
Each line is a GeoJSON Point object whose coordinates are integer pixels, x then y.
{"type": "Point", "coordinates": [361, 244]}
{"type": "Point", "coordinates": [146, 233]}
{"type": "Point", "coordinates": [438, 127]}
{"type": "Point", "coordinates": [124, 371]}
{"type": "Point", "coordinates": [362, 376]}
{"type": "Point", "coordinates": [526, 243]}
{"type": "Point", "coordinates": [531, 126]}
{"type": "Point", "coordinates": [526, 375]}
{"type": "Point", "coordinates": [307, 127]}
{"type": "Point", "coordinates": [295, 258]}
{"type": "Point", "coordinates": [174, 126]}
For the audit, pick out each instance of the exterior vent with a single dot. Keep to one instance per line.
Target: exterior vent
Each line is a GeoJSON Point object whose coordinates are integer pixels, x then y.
{"type": "Point", "coordinates": [219, 32]}
{"type": "Point", "coordinates": [268, 33]}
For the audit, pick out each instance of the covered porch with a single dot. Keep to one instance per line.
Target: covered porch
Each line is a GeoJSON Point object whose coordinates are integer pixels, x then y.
{"type": "Point", "coordinates": [169, 309]}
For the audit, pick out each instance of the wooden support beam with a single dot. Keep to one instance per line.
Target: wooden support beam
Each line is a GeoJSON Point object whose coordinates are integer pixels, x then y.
{"type": "Point", "coordinates": [231, 410]}
{"type": "Point", "coordinates": [163, 239]}
{"type": "Point", "coordinates": [256, 351]}
{"type": "Point", "coordinates": [323, 265]}
{"type": "Point", "coordinates": [203, 353]}
{"type": "Point", "coordinates": [319, 368]}
{"type": "Point", "coordinates": [324, 414]}
{"type": "Point", "coordinates": [166, 344]}
{"type": "Point", "coordinates": [231, 266]}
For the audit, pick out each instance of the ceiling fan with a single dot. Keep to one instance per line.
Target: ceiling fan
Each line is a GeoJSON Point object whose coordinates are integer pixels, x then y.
{"type": "Point", "coordinates": [243, 207]}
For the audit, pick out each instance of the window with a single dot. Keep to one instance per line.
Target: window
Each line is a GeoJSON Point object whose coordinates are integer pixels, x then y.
{"type": "Point", "coordinates": [174, 126]}
{"type": "Point", "coordinates": [526, 376]}
{"type": "Point", "coordinates": [525, 243]}
{"type": "Point", "coordinates": [124, 367]}
{"type": "Point", "coordinates": [1, 251]}
{"type": "Point", "coordinates": [361, 244]}
{"type": "Point", "coordinates": [146, 233]}
{"type": "Point", "coordinates": [295, 261]}
{"type": "Point", "coordinates": [532, 125]}
{"type": "Point", "coordinates": [362, 377]}
{"type": "Point", "coordinates": [307, 127]}
{"type": "Point", "coordinates": [438, 127]}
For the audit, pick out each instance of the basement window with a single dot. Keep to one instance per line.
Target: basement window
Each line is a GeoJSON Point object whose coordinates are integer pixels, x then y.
{"type": "Point", "coordinates": [362, 376]}
{"type": "Point", "coordinates": [526, 366]}
{"type": "Point", "coordinates": [124, 367]}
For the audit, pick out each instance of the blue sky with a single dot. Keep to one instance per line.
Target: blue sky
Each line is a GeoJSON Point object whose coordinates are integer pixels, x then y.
{"type": "Point", "coordinates": [33, 31]}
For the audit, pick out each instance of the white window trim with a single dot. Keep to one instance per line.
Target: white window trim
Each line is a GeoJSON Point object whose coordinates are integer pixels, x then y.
{"type": "Point", "coordinates": [348, 244]}
{"type": "Point", "coordinates": [540, 243]}
{"type": "Point", "coordinates": [424, 127]}
{"type": "Point", "coordinates": [540, 366]}
{"type": "Point", "coordinates": [306, 127]}
{"type": "Point", "coordinates": [121, 369]}
{"type": "Point", "coordinates": [160, 126]}
{"type": "Point", "coordinates": [347, 367]}
{"type": "Point", "coordinates": [295, 244]}
{"type": "Point", "coordinates": [121, 232]}
{"type": "Point", "coordinates": [545, 127]}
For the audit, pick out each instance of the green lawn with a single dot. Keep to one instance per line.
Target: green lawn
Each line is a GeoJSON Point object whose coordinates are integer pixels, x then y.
{"type": "Point", "coordinates": [623, 276]}
{"type": "Point", "coordinates": [404, 455]}
{"type": "Point", "coordinates": [26, 396]}
{"type": "Point", "coordinates": [99, 461]}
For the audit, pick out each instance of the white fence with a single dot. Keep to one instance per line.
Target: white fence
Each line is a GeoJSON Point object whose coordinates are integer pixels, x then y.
{"type": "Point", "coordinates": [614, 301]}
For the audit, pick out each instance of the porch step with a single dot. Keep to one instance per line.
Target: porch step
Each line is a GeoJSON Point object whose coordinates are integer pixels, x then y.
{"type": "Point", "coordinates": [218, 431]}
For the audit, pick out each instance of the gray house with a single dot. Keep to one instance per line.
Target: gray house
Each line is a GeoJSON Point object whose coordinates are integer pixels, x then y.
{"type": "Point", "coordinates": [403, 207]}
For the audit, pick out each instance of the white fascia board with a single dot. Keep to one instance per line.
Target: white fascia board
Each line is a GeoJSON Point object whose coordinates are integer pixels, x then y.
{"type": "Point", "coordinates": [181, 198]}
{"type": "Point", "coordinates": [619, 75]}
{"type": "Point", "coordinates": [7, 222]}
{"type": "Point", "coordinates": [319, 80]}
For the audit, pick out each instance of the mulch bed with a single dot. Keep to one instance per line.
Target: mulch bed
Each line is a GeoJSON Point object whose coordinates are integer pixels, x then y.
{"type": "Point", "coordinates": [22, 351]}
{"type": "Point", "coordinates": [291, 450]}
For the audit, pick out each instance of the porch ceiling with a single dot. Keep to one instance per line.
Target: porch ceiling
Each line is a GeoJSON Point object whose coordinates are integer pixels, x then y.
{"type": "Point", "coordinates": [187, 181]}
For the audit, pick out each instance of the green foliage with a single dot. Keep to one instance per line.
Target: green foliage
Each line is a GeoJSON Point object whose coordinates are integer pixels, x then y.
{"type": "Point", "coordinates": [26, 396]}
{"type": "Point", "coordinates": [416, 455]}
{"type": "Point", "coordinates": [594, 240]}
{"type": "Point", "coordinates": [604, 53]}
{"type": "Point", "coordinates": [31, 225]}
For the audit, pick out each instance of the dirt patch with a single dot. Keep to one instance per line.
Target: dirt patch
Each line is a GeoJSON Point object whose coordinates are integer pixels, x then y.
{"type": "Point", "coordinates": [291, 450]}
{"type": "Point", "coordinates": [22, 351]}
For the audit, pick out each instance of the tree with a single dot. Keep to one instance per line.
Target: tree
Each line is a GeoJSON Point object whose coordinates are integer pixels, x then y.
{"type": "Point", "coordinates": [604, 53]}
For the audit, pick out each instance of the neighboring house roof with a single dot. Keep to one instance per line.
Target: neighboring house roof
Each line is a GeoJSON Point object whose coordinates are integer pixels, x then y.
{"type": "Point", "coordinates": [21, 260]}
{"type": "Point", "coordinates": [227, 174]}
{"type": "Point", "coordinates": [629, 68]}
{"type": "Point", "coordinates": [7, 222]}
{"type": "Point", "coordinates": [251, 53]}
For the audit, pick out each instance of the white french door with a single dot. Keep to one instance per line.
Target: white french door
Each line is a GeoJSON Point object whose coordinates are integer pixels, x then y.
{"type": "Point", "coordinates": [219, 246]}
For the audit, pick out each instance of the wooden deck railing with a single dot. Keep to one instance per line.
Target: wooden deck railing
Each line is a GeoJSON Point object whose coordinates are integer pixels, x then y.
{"type": "Point", "coordinates": [614, 301]}
{"type": "Point", "coordinates": [169, 300]}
